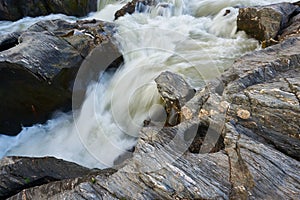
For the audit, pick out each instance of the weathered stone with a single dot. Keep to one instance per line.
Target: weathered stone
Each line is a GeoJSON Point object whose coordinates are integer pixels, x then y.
{"type": "Point", "coordinates": [261, 66]}
{"type": "Point", "coordinates": [259, 82]}
{"type": "Point", "coordinates": [18, 173]}
{"type": "Point", "coordinates": [38, 68]}
{"type": "Point", "coordinates": [16, 9]}
{"type": "Point", "coordinates": [213, 153]}
{"type": "Point", "coordinates": [264, 23]}
{"type": "Point", "coordinates": [257, 170]}
{"type": "Point", "coordinates": [293, 30]}
{"type": "Point", "coordinates": [79, 188]}
{"type": "Point", "coordinates": [175, 91]}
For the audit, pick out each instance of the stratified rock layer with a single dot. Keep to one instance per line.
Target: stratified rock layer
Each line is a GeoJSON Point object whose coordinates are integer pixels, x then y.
{"type": "Point", "coordinates": [18, 173]}
{"type": "Point", "coordinates": [238, 138]}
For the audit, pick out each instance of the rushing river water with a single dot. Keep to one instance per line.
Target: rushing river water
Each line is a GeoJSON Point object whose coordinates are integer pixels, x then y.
{"type": "Point", "coordinates": [194, 38]}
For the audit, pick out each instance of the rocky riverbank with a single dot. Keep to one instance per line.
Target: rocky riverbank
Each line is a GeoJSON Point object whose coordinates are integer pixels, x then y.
{"type": "Point", "coordinates": [238, 137]}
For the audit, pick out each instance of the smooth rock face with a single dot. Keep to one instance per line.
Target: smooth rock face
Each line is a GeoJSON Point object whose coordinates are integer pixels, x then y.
{"type": "Point", "coordinates": [17, 173]}
{"type": "Point", "coordinates": [38, 68]}
{"type": "Point", "coordinates": [16, 9]}
{"type": "Point", "coordinates": [264, 23]}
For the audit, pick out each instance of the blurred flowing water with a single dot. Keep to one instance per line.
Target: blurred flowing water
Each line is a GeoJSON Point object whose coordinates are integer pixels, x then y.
{"type": "Point", "coordinates": [194, 38]}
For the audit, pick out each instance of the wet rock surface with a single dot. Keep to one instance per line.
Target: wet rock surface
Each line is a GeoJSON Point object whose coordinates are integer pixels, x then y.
{"type": "Point", "coordinates": [132, 6]}
{"type": "Point", "coordinates": [16, 9]}
{"type": "Point", "coordinates": [38, 68]}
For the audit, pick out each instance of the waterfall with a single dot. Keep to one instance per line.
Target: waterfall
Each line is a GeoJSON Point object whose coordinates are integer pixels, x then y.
{"type": "Point", "coordinates": [193, 38]}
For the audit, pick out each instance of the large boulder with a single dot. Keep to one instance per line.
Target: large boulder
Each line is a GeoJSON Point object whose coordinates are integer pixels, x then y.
{"type": "Point", "coordinates": [16, 9]}
{"type": "Point", "coordinates": [264, 23]}
{"type": "Point", "coordinates": [38, 68]}
{"type": "Point", "coordinates": [18, 173]}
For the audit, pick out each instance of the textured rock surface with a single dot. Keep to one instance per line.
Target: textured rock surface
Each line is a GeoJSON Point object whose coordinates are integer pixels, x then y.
{"type": "Point", "coordinates": [293, 30]}
{"type": "Point", "coordinates": [256, 157]}
{"type": "Point", "coordinates": [85, 187]}
{"type": "Point", "coordinates": [264, 23]}
{"type": "Point", "coordinates": [238, 138]}
{"type": "Point", "coordinates": [175, 92]}
{"type": "Point", "coordinates": [16, 9]}
{"type": "Point", "coordinates": [38, 68]}
{"type": "Point", "coordinates": [17, 173]}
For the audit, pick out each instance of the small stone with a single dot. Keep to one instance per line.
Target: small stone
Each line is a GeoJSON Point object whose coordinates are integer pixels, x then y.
{"type": "Point", "coordinates": [243, 114]}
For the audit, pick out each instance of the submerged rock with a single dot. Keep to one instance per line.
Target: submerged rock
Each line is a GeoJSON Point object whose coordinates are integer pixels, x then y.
{"type": "Point", "coordinates": [16, 9]}
{"type": "Point", "coordinates": [38, 68]}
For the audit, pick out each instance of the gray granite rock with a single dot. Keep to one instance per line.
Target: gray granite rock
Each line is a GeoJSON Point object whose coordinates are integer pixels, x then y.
{"type": "Point", "coordinates": [38, 68]}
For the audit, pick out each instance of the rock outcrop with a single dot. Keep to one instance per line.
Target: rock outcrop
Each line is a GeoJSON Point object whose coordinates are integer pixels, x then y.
{"type": "Point", "coordinates": [266, 23]}
{"type": "Point", "coordinates": [16, 9]}
{"type": "Point", "coordinates": [238, 138]}
{"type": "Point", "coordinates": [38, 68]}
{"type": "Point", "coordinates": [245, 127]}
{"type": "Point", "coordinates": [18, 173]}
{"type": "Point", "coordinates": [293, 30]}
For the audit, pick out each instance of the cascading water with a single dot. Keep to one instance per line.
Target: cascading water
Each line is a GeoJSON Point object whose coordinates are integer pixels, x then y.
{"type": "Point", "coordinates": [194, 38]}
